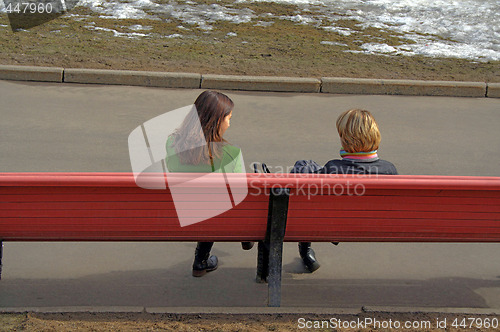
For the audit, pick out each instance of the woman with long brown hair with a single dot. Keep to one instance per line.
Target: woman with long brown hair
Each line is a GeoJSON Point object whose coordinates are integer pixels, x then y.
{"type": "Point", "coordinates": [198, 146]}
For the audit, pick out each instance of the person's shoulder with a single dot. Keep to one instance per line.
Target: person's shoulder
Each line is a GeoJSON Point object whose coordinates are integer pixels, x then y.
{"type": "Point", "coordinates": [343, 166]}
{"type": "Point", "coordinates": [387, 167]}
{"type": "Point", "coordinates": [170, 141]}
{"type": "Point", "coordinates": [384, 162]}
{"type": "Point", "coordinates": [334, 162]}
{"type": "Point", "coordinates": [333, 166]}
{"type": "Point", "coordinates": [231, 150]}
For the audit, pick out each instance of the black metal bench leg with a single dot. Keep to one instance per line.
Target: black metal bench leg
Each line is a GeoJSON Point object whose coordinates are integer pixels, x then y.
{"type": "Point", "coordinates": [276, 230]}
{"type": "Point", "coordinates": [263, 247]}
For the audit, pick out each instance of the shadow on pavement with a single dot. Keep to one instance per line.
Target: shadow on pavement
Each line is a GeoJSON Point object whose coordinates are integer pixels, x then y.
{"type": "Point", "coordinates": [235, 287]}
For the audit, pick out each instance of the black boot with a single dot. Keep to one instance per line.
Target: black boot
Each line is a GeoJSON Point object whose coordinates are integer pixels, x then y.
{"type": "Point", "coordinates": [307, 255]}
{"type": "Point", "coordinates": [262, 263]}
{"type": "Point", "coordinates": [203, 262]}
{"type": "Point", "coordinates": [247, 245]}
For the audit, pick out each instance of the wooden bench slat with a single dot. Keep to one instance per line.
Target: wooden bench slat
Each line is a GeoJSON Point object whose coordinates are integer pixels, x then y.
{"type": "Point", "coordinates": [326, 224]}
{"type": "Point", "coordinates": [126, 180]}
{"type": "Point", "coordinates": [408, 207]}
{"type": "Point", "coordinates": [393, 214]}
{"type": "Point", "coordinates": [323, 200]}
{"type": "Point", "coordinates": [395, 237]}
{"type": "Point", "coordinates": [49, 191]}
{"type": "Point", "coordinates": [125, 236]}
{"type": "Point", "coordinates": [252, 193]}
{"type": "Point", "coordinates": [387, 202]}
{"type": "Point", "coordinates": [245, 205]}
{"type": "Point", "coordinates": [86, 197]}
{"type": "Point", "coordinates": [112, 213]}
{"type": "Point", "coordinates": [103, 229]}
{"type": "Point", "coordinates": [248, 213]}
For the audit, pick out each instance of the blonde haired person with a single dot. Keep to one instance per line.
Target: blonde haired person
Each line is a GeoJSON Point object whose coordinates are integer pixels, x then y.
{"type": "Point", "coordinates": [358, 131]}
{"type": "Point", "coordinates": [360, 139]}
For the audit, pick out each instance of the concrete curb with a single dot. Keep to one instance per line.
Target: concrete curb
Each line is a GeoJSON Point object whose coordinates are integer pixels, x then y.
{"type": "Point", "coordinates": [129, 77]}
{"type": "Point", "coordinates": [493, 90]}
{"type": "Point", "coordinates": [260, 83]}
{"type": "Point", "coordinates": [185, 310]}
{"type": "Point", "coordinates": [333, 85]}
{"type": "Point", "coordinates": [29, 73]}
{"type": "Point", "coordinates": [402, 87]}
{"type": "Point", "coordinates": [54, 310]}
{"type": "Point", "coordinates": [251, 310]}
{"type": "Point", "coordinates": [457, 311]}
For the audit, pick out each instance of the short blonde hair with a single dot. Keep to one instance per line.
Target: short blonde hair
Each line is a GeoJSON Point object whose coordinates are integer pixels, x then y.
{"type": "Point", "coordinates": [358, 131]}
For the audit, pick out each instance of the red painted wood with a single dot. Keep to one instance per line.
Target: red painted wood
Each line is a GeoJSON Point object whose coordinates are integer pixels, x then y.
{"type": "Point", "coordinates": [390, 206]}
{"type": "Point", "coordinates": [116, 205]}
{"type": "Point", "coordinates": [109, 213]}
{"type": "Point", "coordinates": [409, 198]}
{"type": "Point", "coordinates": [398, 215]}
{"type": "Point", "coordinates": [260, 181]}
{"type": "Point", "coordinates": [110, 206]}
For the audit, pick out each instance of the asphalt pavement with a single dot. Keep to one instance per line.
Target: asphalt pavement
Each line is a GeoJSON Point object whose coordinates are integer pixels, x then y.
{"type": "Point", "coordinates": [50, 127]}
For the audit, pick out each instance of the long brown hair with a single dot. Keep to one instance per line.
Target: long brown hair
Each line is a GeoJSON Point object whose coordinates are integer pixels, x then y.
{"type": "Point", "coordinates": [200, 147]}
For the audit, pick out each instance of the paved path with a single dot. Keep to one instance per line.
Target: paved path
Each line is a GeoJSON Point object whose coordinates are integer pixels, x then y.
{"type": "Point", "coordinates": [65, 127]}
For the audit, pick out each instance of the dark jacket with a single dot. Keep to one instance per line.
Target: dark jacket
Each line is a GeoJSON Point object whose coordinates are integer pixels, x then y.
{"type": "Point", "coordinates": [349, 166]}
{"type": "Point", "coordinates": [346, 166]}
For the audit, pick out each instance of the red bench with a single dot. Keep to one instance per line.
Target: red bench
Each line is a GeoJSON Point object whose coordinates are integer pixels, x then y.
{"type": "Point", "coordinates": [316, 208]}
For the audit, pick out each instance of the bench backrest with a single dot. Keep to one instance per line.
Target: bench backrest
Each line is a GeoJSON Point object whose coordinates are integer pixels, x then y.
{"type": "Point", "coordinates": [397, 208]}
{"type": "Point", "coordinates": [110, 206]}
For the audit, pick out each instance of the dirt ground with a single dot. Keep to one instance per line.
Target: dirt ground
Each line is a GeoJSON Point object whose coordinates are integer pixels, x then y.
{"type": "Point", "coordinates": [283, 48]}
{"type": "Point", "coordinates": [260, 322]}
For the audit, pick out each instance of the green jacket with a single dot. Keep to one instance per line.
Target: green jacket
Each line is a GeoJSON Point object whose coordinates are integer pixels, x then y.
{"type": "Point", "coordinates": [230, 162]}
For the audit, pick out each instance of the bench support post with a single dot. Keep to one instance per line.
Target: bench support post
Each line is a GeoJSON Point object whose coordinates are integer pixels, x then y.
{"type": "Point", "coordinates": [271, 250]}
